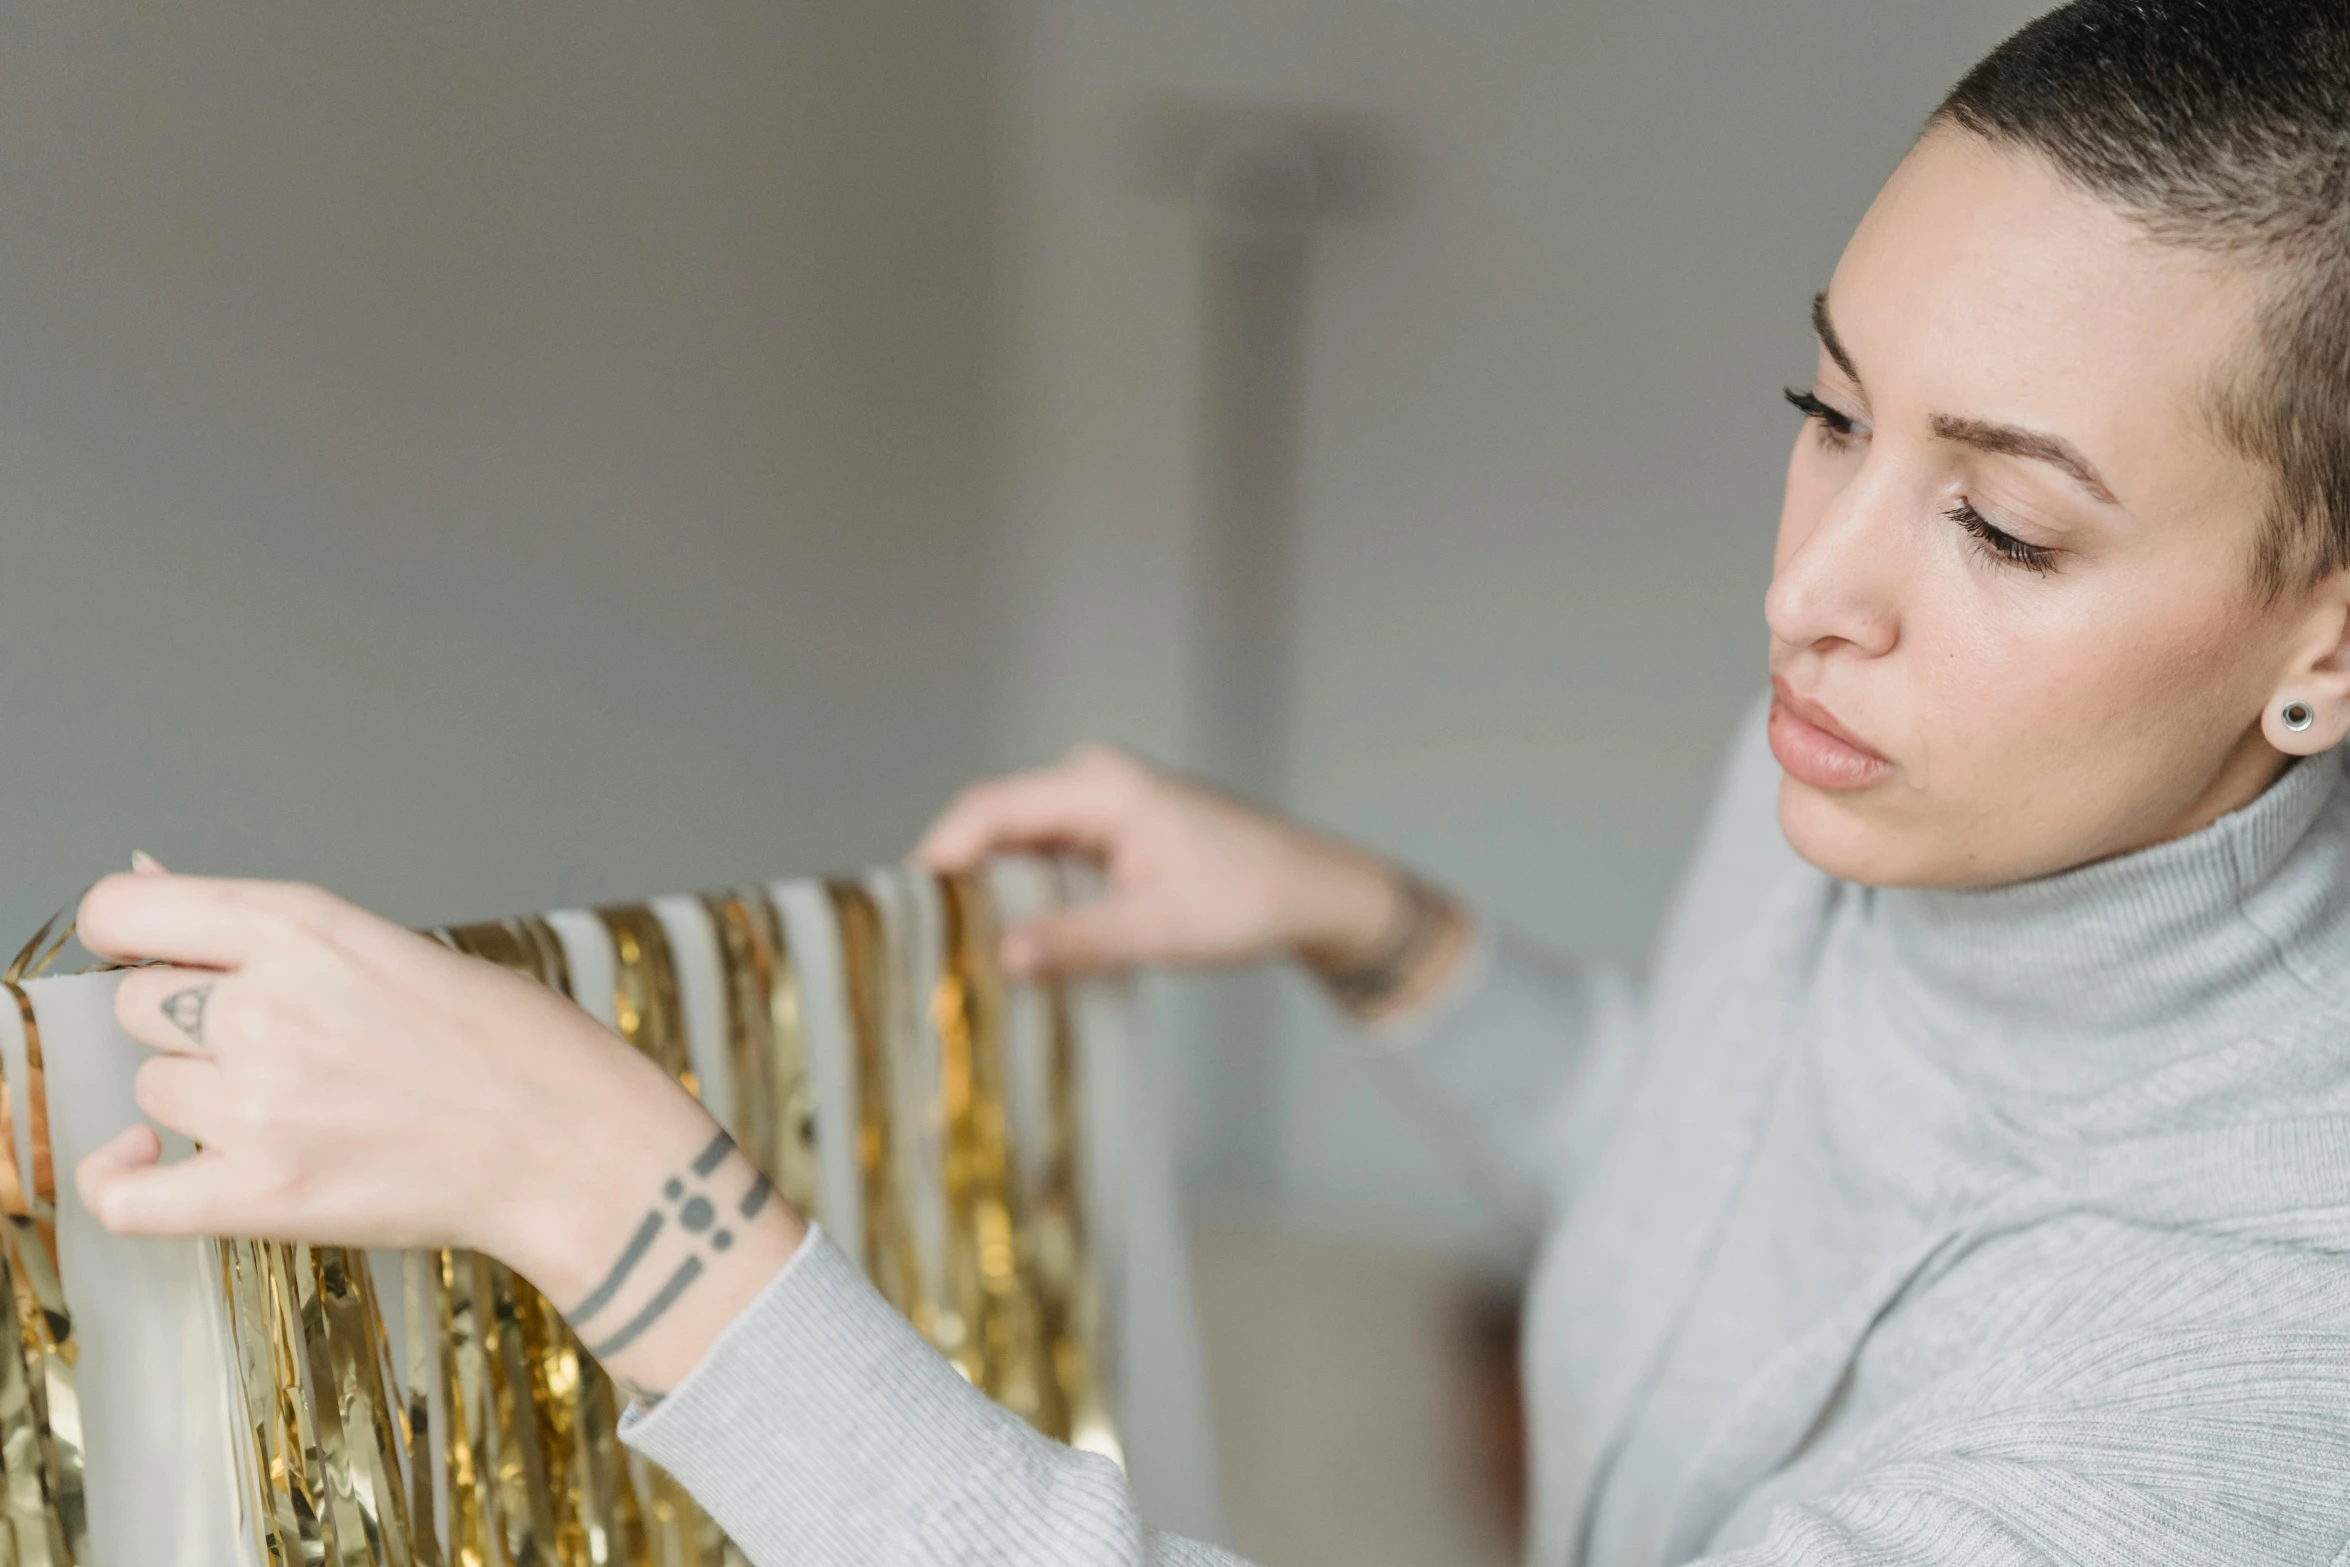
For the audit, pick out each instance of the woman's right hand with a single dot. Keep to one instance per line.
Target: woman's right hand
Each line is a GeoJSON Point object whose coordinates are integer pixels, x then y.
{"type": "Point", "coordinates": [349, 1082]}
{"type": "Point", "coordinates": [1196, 878]}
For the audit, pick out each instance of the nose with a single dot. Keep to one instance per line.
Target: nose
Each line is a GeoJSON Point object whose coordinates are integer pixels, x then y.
{"type": "Point", "coordinates": [1838, 581]}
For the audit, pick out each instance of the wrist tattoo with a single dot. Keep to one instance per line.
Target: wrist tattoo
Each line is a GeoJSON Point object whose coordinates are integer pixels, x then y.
{"type": "Point", "coordinates": [654, 1310]}
{"type": "Point", "coordinates": [185, 1009]}
{"type": "Point", "coordinates": [712, 1157]}
{"type": "Point", "coordinates": [630, 1255]}
{"type": "Point", "coordinates": [756, 1197]}
{"type": "Point", "coordinates": [1419, 925]}
{"type": "Point", "coordinates": [685, 1202]}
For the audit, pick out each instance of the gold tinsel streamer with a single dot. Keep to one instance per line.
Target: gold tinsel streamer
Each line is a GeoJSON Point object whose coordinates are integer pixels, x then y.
{"type": "Point", "coordinates": [40, 1405]}
{"type": "Point", "coordinates": [1056, 1237]}
{"type": "Point", "coordinates": [995, 1284]}
{"type": "Point", "coordinates": [773, 1114]}
{"type": "Point", "coordinates": [535, 1462]}
{"type": "Point", "coordinates": [887, 1244]}
{"type": "Point", "coordinates": [646, 1010]}
{"type": "Point", "coordinates": [504, 1450]}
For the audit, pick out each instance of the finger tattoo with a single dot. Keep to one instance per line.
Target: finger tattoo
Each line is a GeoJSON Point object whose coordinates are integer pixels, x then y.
{"type": "Point", "coordinates": [185, 1009]}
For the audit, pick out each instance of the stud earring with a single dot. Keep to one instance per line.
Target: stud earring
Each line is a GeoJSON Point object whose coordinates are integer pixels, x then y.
{"type": "Point", "coordinates": [2297, 716]}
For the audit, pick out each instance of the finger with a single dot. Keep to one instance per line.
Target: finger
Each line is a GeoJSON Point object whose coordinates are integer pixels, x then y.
{"type": "Point", "coordinates": [211, 921]}
{"type": "Point", "coordinates": [182, 1093]}
{"type": "Point", "coordinates": [138, 1144]}
{"type": "Point", "coordinates": [168, 1008]}
{"type": "Point", "coordinates": [200, 1196]}
{"type": "Point", "coordinates": [1073, 941]}
{"type": "Point", "coordinates": [145, 864]}
{"type": "Point", "coordinates": [1078, 804]}
{"type": "Point", "coordinates": [179, 919]}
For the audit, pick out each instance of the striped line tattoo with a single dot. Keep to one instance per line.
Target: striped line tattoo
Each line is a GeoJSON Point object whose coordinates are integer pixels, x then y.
{"type": "Point", "coordinates": [630, 1255]}
{"type": "Point", "coordinates": [687, 1271]}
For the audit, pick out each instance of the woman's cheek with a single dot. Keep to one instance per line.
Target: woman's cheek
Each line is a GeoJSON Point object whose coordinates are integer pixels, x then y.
{"type": "Point", "coordinates": [2043, 731]}
{"type": "Point", "coordinates": [1987, 705]}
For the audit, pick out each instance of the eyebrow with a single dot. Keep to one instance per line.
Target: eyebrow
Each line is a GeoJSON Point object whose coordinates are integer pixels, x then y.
{"type": "Point", "coordinates": [2004, 440]}
{"type": "Point", "coordinates": [1829, 340]}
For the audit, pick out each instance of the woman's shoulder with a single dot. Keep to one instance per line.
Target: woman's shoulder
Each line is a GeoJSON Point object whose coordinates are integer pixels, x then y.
{"type": "Point", "coordinates": [2064, 1368]}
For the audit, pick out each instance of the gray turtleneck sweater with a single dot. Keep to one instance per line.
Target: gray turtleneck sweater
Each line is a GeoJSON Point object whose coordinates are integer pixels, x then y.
{"type": "Point", "coordinates": [2005, 1226]}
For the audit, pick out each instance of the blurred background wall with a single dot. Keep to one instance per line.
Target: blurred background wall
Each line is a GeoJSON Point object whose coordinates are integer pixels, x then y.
{"type": "Point", "coordinates": [1538, 471]}
{"type": "Point", "coordinates": [489, 458]}
{"type": "Point", "coordinates": [494, 458]}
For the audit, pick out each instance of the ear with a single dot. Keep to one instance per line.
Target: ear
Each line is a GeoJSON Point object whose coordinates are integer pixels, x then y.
{"type": "Point", "coordinates": [2309, 709]}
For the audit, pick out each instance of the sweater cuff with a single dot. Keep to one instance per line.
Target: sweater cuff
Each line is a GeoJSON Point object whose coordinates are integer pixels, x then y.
{"type": "Point", "coordinates": [821, 1425]}
{"type": "Point", "coordinates": [1404, 1031]}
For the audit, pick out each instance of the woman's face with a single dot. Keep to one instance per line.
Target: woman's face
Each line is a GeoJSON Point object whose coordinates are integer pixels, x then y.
{"type": "Point", "coordinates": [2013, 622]}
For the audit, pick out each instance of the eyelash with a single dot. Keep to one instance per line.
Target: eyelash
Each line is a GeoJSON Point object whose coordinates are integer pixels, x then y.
{"type": "Point", "coordinates": [1998, 542]}
{"type": "Point", "coordinates": [1837, 432]}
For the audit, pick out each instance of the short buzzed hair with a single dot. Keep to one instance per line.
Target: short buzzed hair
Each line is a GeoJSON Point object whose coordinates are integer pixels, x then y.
{"type": "Point", "coordinates": [2220, 125]}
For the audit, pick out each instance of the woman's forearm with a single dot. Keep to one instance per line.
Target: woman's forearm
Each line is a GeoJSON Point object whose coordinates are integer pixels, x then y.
{"type": "Point", "coordinates": [1380, 940]}
{"type": "Point", "coordinates": [651, 1261]}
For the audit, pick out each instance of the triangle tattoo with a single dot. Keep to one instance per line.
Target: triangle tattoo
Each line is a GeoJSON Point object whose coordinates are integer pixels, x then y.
{"type": "Point", "coordinates": [185, 1008]}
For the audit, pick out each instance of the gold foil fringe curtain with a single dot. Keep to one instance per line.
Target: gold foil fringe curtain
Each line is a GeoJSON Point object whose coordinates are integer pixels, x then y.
{"type": "Point", "coordinates": [505, 1448]}
{"type": "Point", "coordinates": [493, 1441]}
{"type": "Point", "coordinates": [40, 1408]}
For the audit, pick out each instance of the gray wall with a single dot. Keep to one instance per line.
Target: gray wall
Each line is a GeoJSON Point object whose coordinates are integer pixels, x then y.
{"type": "Point", "coordinates": [489, 457]}
{"type": "Point", "coordinates": [1541, 457]}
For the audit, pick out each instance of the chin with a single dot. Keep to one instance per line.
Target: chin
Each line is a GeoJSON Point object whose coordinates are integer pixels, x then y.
{"type": "Point", "coordinates": [1835, 832]}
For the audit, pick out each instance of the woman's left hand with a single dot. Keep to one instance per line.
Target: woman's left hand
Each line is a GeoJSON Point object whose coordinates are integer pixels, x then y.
{"type": "Point", "coordinates": [348, 1081]}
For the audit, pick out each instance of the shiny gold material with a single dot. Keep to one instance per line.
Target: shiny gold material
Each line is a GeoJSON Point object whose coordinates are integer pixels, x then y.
{"type": "Point", "coordinates": [991, 1283]}
{"type": "Point", "coordinates": [287, 1519]}
{"type": "Point", "coordinates": [917, 1114]}
{"type": "Point", "coordinates": [528, 945]}
{"type": "Point", "coordinates": [1057, 1234]}
{"type": "Point", "coordinates": [526, 1503]}
{"type": "Point", "coordinates": [645, 1008]}
{"type": "Point", "coordinates": [362, 1456]}
{"type": "Point", "coordinates": [326, 1443]}
{"type": "Point", "coordinates": [649, 1015]}
{"type": "Point", "coordinates": [495, 1442]}
{"type": "Point", "coordinates": [536, 1466]}
{"type": "Point", "coordinates": [887, 1245]}
{"type": "Point", "coordinates": [425, 1310]}
{"type": "Point", "coordinates": [40, 1402]}
{"type": "Point", "coordinates": [773, 1115]}
{"type": "Point", "coordinates": [473, 1499]}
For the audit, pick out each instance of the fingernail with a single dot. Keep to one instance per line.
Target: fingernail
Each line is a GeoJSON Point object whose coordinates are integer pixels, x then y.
{"type": "Point", "coordinates": [146, 864]}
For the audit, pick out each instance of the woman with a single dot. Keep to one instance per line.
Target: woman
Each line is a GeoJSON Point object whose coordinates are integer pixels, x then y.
{"type": "Point", "coordinates": [1971, 1181]}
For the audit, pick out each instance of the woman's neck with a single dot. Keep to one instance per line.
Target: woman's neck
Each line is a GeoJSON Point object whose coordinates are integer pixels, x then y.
{"type": "Point", "coordinates": [2243, 777]}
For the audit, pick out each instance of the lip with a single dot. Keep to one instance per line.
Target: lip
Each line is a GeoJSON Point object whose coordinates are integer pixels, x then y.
{"type": "Point", "coordinates": [1815, 749]}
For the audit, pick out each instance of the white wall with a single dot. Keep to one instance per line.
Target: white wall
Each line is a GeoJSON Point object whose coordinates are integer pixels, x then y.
{"type": "Point", "coordinates": [487, 457]}
{"type": "Point", "coordinates": [1541, 462]}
